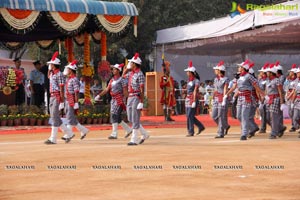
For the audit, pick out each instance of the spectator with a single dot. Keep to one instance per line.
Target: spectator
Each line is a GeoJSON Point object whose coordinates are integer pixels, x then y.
{"type": "Point", "coordinates": [36, 80]}
{"type": "Point", "coordinates": [81, 88]}
{"type": "Point", "coordinates": [96, 88]}
{"type": "Point", "coordinates": [20, 92]}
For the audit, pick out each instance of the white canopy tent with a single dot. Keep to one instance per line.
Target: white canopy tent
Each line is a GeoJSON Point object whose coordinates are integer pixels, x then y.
{"type": "Point", "coordinates": [262, 36]}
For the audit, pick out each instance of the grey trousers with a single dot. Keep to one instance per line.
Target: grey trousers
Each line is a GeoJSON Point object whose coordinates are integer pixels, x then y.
{"type": "Point", "coordinates": [54, 112]}
{"type": "Point", "coordinates": [295, 124]}
{"type": "Point", "coordinates": [296, 118]}
{"type": "Point", "coordinates": [133, 113]}
{"type": "Point", "coordinates": [192, 120]}
{"type": "Point", "coordinates": [274, 120]}
{"type": "Point", "coordinates": [70, 114]}
{"type": "Point", "coordinates": [243, 115]}
{"type": "Point", "coordinates": [263, 113]}
{"type": "Point", "coordinates": [219, 115]}
{"type": "Point", "coordinates": [253, 125]}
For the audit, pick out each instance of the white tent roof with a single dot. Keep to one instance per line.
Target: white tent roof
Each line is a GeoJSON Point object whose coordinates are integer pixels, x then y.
{"type": "Point", "coordinates": [227, 25]}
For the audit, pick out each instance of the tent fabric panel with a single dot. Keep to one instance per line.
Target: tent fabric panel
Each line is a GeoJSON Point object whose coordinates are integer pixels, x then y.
{"type": "Point", "coordinates": [73, 6]}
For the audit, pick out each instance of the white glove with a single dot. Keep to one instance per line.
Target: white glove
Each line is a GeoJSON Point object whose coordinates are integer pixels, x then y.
{"type": "Point", "coordinates": [292, 105]}
{"type": "Point", "coordinates": [233, 99]}
{"type": "Point", "coordinates": [223, 102]}
{"type": "Point", "coordinates": [282, 106]}
{"type": "Point", "coordinates": [76, 106]}
{"type": "Point", "coordinates": [194, 105]}
{"type": "Point", "coordinates": [225, 97]}
{"type": "Point", "coordinates": [261, 106]}
{"type": "Point", "coordinates": [97, 98]}
{"type": "Point", "coordinates": [61, 106]}
{"type": "Point", "coordinates": [267, 98]}
{"type": "Point", "coordinates": [49, 67]}
{"type": "Point", "coordinates": [128, 65]}
{"type": "Point", "coordinates": [140, 106]}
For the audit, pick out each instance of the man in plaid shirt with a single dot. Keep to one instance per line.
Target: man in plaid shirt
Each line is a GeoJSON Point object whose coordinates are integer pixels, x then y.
{"type": "Point", "coordinates": [56, 104]}
{"type": "Point", "coordinates": [72, 95]}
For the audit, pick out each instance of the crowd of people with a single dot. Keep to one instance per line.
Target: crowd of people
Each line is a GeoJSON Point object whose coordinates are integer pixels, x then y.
{"type": "Point", "coordinates": [269, 93]}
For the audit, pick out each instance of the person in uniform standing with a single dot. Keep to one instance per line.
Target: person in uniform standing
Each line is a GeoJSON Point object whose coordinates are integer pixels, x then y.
{"type": "Point", "coordinates": [117, 87]}
{"type": "Point", "coordinates": [56, 104]}
{"type": "Point", "coordinates": [245, 84]}
{"type": "Point", "coordinates": [281, 78]}
{"type": "Point", "coordinates": [191, 100]}
{"type": "Point", "coordinates": [295, 100]}
{"type": "Point", "coordinates": [20, 92]}
{"type": "Point", "coordinates": [37, 85]}
{"type": "Point", "coordinates": [72, 96]}
{"type": "Point", "coordinates": [255, 103]}
{"type": "Point", "coordinates": [274, 101]}
{"type": "Point", "coordinates": [220, 105]}
{"type": "Point", "coordinates": [168, 92]}
{"type": "Point", "coordinates": [289, 86]}
{"type": "Point", "coordinates": [136, 84]}
{"type": "Point", "coordinates": [262, 80]}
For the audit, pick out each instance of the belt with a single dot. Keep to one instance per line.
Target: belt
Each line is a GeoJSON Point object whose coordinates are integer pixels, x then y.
{"type": "Point", "coordinates": [53, 94]}
{"type": "Point", "coordinates": [245, 93]}
{"type": "Point", "coordinates": [134, 94]}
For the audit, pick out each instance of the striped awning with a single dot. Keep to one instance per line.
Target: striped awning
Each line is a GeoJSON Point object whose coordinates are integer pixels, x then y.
{"type": "Point", "coordinates": [35, 20]}
{"type": "Point", "coordinates": [73, 6]}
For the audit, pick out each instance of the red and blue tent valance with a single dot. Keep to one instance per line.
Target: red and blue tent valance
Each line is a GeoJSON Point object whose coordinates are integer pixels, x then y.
{"type": "Point", "coordinates": [67, 17]}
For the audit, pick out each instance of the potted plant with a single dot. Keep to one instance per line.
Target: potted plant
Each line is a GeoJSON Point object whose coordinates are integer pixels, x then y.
{"type": "Point", "coordinates": [3, 119]}
{"type": "Point", "coordinates": [105, 118]}
{"type": "Point", "coordinates": [15, 114]}
{"type": "Point", "coordinates": [10, 120]}
{"type": "Point", "coordinates": [3, 114]}
{"type": "Point", "coordinates": [145, 109]}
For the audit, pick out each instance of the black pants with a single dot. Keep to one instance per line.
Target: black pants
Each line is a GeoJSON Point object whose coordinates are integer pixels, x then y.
{"type": "Point", "coordinates": [38, 97]}
{"type": "Point", "coordinates": [20, 95]}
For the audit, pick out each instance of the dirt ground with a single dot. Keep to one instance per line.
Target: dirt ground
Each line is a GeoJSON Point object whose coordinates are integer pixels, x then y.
{"type": "Point", "coordinates": [167, 166]}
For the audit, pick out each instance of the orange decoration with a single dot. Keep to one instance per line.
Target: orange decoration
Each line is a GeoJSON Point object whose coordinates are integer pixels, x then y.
{"type": "Point", "coordinates": [113, 18]}
{"type": "Point", "coordinates": [69, 17]}
{"type": "Point", "coordinates": [135, 21]}
{"type": "Point", "coordinates": [69, 47]}
{"type": "Point", "coordinates": [19, 14]}
{"type": "Point", "coordinates": [103, 45]}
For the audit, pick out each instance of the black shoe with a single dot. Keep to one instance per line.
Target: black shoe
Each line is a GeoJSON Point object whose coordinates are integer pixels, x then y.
{"type": "Point", "coordinates": [128, 134]}
{"type": "Point", "coordinates": [262, 131]}
{"type": "Point", "coordinates": [226, 130]}
{"type": "Point", "coordinates": [272, 137]}
{"type": "Point", "coordinates": [282, 132]}
{"type": "Point", "coordinates": [63, 138]}
{"type": "Point", "coordinates": [200, 131]}
{"type": "Point", "coordinates": [243, 138]}
{"type": "Point", "coordinates": [189, 135]}
{"type": "Point", "coordinates": [252, 133]}
{"type": "Point", "coordinates": [143, 140]}
{"type": "Point", "coordinates": [292, 129]}
{"type": "Point", "coordinates": [82, 137]}
{"type": "Point", "coordinates": [112, 138]}
{"type": "Point", "coordinates": [67, 140]}
{"type": "Point", "coordinates": [49, 142]}
{"type": "Point", "coordinates": [132, 144]}
{"type": "Point", "coordinates": [169, 119]}
{"type": "Point", "coordinates": [219, 136]}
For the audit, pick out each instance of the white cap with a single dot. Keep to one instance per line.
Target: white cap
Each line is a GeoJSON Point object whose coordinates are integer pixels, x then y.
{"type": "Point", "coordinates": [272, 68]}
{"type": "Point", "coordinates": [220, 66]}
{"type": "Point", "coordinates": [278, 66]}
{"type": "Point", "coordinates": [190, 68]}
{"type": "Point", "coordinates": [245, 64]}
{"type": "Point", "coordinates": [54, 60]}
{"type": "Point", "coordinates": [297, 70]}
{"type": "Point", "coordinates": [118, 66]}
{"type": "Point", "coordinates": [136, 59]}
{"type": "Point", "coordinates": [294, 68]}
{"type": "Point", "coordinates": [72, 65]}
{"type": "Point", "coordinates": [264, 68]}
